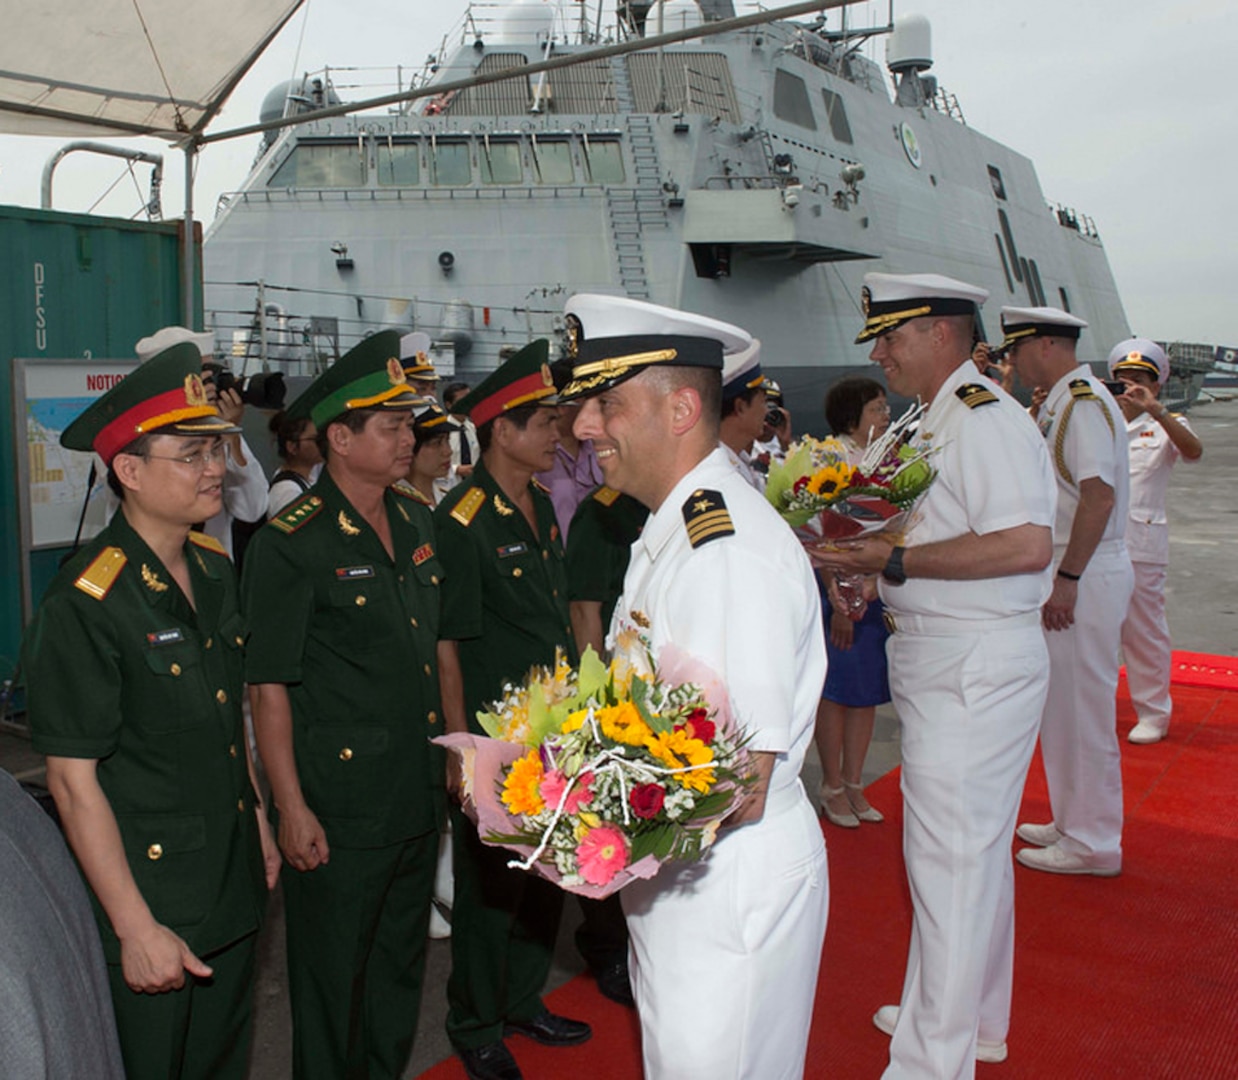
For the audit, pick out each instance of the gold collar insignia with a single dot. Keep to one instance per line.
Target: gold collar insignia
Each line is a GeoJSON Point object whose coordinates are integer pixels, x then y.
{"type": "Point", "coordinates": [152, 579]}
{"type": "Point", "coordinates": [503, 509]}
{"type": "Point", "coordinates": [346, 526]}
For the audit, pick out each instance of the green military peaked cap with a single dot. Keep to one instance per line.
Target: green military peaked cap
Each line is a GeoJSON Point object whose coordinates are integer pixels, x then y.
{"type": "Point", "coordinates": [368, 376]}
{"type": "Point", "coordinates": [523, 379]}
{"type": "Point", "coordinates": [165, 394]}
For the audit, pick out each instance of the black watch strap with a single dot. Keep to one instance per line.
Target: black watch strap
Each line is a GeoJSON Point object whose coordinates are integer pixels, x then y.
{"type": "Point", "coordinates": [893, 571]}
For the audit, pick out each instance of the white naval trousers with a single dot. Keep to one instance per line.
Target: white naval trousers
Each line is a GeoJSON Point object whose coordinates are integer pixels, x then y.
{"type": "Point", "coordinates": [1078, 733]}
{"type": "Point", "coordinates": [1147, 648]}
{"type": "Point", "coordinates": [724, 953]}
{"type": "Point", "coordinates": [969, 705]}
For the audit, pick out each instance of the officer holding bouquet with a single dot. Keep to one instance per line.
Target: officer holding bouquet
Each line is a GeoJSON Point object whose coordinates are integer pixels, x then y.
{"type": "Point", "coordinates": [968, 668]}
{"type": "Point", "coordinates": [724, 953]}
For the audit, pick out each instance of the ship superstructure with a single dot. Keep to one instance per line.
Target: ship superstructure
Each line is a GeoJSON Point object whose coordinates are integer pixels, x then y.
{"type": "Point", "coordinates": [755, 175]}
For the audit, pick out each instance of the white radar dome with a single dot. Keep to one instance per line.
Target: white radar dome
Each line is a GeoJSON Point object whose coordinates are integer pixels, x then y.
{"type": "Point", "coordinates": [910, 45]}
{"type": "Point", "coordinates": [522, 22]}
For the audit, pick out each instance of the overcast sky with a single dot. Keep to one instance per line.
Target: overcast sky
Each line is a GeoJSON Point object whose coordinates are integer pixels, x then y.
{"type": "Point", "coordinates": [1126, 107]}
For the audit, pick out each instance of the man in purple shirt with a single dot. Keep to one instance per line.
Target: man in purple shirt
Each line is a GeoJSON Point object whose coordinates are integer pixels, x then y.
{"type": "Point", "coordinates": [575, 473]}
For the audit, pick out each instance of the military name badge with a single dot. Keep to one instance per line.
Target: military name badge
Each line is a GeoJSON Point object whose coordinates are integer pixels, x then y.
{"type": "Point", "coordinates": [508, 550]}
{"type": "Point", "coordinates": [164, 637]}
{"type": "Point", "coordinates": [426, 551]}
{"type": "Point", "coordinates": [352, 573]}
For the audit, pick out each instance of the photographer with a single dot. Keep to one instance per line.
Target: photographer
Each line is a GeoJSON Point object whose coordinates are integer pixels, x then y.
{"type": "Point", "coordinates": [244, 484]}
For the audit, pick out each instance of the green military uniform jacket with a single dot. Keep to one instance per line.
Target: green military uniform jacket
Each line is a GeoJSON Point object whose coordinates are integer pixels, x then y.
{"type": "Point", "coordinates": [505, 598]}
{"type": "Point", "coordinates": [353, 633]}
{"type": "Point", "coordinates": [120, 668]}
{"type": "Point", "coordinates": [599, 546]}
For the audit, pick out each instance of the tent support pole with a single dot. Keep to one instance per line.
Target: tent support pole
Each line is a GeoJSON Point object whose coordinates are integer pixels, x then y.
{"type": "Point", "coordinates": [187, 267]}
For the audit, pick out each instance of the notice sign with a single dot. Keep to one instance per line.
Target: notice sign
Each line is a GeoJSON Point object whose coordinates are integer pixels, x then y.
{"type": "Point", "coordinates": [50, 395]}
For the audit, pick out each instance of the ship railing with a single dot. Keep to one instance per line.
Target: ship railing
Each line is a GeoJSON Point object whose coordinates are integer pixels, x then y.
{"type": "Point", "coordinates": [1068, 218]}
{"type": "Point", "coordinates": [301, 331]}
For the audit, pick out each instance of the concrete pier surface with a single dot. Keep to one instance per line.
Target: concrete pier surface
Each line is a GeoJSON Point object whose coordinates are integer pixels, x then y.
{"type": "Point", "coordinates": [1202, 601]}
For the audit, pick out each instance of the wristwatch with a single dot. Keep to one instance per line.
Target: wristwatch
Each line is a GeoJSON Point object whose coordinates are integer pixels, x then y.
{"type": "Point", "coordinates": [893, 571]}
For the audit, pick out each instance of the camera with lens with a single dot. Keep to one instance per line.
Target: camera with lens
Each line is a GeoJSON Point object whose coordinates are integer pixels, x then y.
{"type": "Point", "coordinates": [774, 417]}
{"type": "Point", "coordinates": [265, 390]}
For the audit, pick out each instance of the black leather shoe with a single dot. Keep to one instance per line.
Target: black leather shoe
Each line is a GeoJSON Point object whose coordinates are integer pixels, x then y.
{"type": "Point", "coordinates": [614, 983]}
{"type": "Point", "coordinates": [491, 1062]}
{"type": "Point", "coordinates": [550, 1030]}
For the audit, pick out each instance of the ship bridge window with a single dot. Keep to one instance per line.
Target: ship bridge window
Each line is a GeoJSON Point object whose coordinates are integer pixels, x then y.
{"type": "Point", "coordinates": [791, 100]}
{"type": "Point", "coordinates": [399, 164]}
{"type": "Point", "coordinates": [995, 179]}
{"type": "Point", "coordinates": [500, 161]}
{"type": "Point", "coordinates": [322, 165]}
{"type": "Point", "coordinates": [552, 158]}
{"type": "Point", "coordinates": [603, 161]}
{"type": "Point", "coordinates": [449, 161]}
{"type": "Point", "coordinates": [836, 113]}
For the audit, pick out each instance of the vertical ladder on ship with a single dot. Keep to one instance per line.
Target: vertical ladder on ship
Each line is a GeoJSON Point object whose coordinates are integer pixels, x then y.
{"type": "Point", "coordinates": [637, 209]}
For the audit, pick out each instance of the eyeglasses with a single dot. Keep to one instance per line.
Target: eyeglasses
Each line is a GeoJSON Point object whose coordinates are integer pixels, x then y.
{"type": "Point", "coordinates": [198, 462]}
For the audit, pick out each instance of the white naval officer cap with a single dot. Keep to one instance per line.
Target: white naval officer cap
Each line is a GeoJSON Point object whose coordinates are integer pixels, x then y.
{"type": "Point", "coordinates": [168, 336]}
{"type": "Point", "coordinates": [415, 356]}
{"type": "Point", "coordinates": [612, 338]}
{"type": "Point", "coordinates": [1139, 354]}
{"type": "Point", "coordinates": [742, 371]}
{"type": "Point", "coordinates": [1028, 322]}
{"type": "Point", "coordinates": [889, 300]}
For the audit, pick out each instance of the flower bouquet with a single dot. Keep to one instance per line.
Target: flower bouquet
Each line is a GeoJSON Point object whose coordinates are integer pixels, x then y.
{"type": "Point", "coordinates": [597, 776]}
{"type": "Point", "coordinates": [825, 498]}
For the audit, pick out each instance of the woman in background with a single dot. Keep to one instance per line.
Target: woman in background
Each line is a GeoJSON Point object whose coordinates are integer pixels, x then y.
{"type": "Point", "coordinates": [855, 639]}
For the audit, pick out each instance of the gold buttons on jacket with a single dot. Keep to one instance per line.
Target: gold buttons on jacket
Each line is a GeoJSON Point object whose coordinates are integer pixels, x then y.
{"type": "Point", "coordinates": [232, 750]}
{"type": "Point", "coordinates": [240, 805]}
{"type": "Point", "coordinates": [517, 572]}
{"type": "Point", "coordinates": [240, 640]}
{"type": "Point", "coordinates": [346, 754]}
{"type": "Point", "coordinates": [434, 579]}
{"type": "Point", "coordinates": [427, 669]}
{"type": "Point", "coordinates": [545, 554]}
{"type": "Point", "coordinates": [432, 717]}
{"type": "Point", "coordinates": [175, 669]}
{"type": "Point", "coordinates": [413, 622]}
{"type": "Point", "coordinates": [360, 601]}
{"type": "Point", "coordinates": [154, 852]}
{"type": "Point", "coordinates": [221, 696]}
{"type": "Point", "coordinates": [208, 643]}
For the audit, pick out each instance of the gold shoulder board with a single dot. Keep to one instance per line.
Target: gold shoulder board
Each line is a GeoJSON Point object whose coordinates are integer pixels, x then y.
{"type": "Point", "coordinates": [297, 515]}
{"type": "Point", "coordinates": [96, 580]}
{"type": "Point", "coordinates": [466, 509]}
{"type": "Point", "coordinates": [208, 542]}
{"type": "Point", "coordinates": [1082, 390]}
{"type": "Point", "coordinates": [606, 495]}
{"type": "Point", "coordinates": [973, 395]}
{"type": "Point", "coordinates": [707, 518]}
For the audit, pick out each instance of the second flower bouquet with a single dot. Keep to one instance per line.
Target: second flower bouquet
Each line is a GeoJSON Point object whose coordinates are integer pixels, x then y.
{"type": "Point", "coordinates": [597, 776]}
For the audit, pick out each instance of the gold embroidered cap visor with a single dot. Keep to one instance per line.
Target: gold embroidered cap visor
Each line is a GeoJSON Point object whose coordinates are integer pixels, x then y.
{"type": "Point", "coordinates": [1017, 332]}
{"type": "Point", "coordinates": [884, 316]}
{"type": "Point", "coordinates": [165, 395]}
{"type": "Point", "coordinates": [1139, 354]}
{"type": "Point", "coordinates": [606, 362]}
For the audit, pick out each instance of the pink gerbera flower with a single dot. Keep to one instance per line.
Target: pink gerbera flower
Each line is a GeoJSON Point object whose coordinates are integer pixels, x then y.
{"type": "Point", "coordinates": [581, 794]}
{"type": "Point", "coordinates": [602, 854]}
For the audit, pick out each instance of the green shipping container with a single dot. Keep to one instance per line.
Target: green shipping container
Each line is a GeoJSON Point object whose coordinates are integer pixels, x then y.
{"type": "Point", "coordinates": [71, 286]}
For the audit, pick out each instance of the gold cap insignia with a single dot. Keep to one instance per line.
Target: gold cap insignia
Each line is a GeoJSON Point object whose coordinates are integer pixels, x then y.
{"type": "Point", "coordinates": [574, 334]}
{"type": "Point", "coordinates": [866, 299]}
{"type": "Point", "coordinates": [195, 390]}
{"type": "Point", "coordinates": [547, 378]}
{"type": "Point", "coordinates": [395, 371]}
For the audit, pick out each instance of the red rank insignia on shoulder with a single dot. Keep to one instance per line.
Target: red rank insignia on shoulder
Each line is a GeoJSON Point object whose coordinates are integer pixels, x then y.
{"type": "Point", "coordinates": [424, 552]}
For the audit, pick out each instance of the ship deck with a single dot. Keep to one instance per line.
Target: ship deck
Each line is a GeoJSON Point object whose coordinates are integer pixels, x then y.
{"type": "Point", "coordinates": [1203, 617]}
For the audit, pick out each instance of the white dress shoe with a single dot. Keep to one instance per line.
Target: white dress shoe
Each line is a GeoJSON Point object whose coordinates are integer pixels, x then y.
{"type": "Point", "coordinates": [1143, 733]}
{"type": "Point", "coordinates": [1056, 861]}
{"type": "Point", "coordinates": [885, 1018]}
{"type": "Point", "coordinates": [1040, 835]}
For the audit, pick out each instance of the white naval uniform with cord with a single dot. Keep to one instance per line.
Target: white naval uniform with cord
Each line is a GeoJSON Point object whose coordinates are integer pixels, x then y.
{"type": "Point", "coordinates": [1083, 431]}
{"type": "Point", "coordinates": [1145, 633]}
{"type": "Point", "coordinates": [968, 674]}
{"type": "Point", "coordinates": [725, 952]}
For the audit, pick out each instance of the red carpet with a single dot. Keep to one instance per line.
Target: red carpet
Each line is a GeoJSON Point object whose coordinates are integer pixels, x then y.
{"type": "Point", "coordinates": [1135, 976]}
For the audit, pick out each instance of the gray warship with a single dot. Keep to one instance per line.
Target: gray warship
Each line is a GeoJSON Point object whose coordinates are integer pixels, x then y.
{"type": "Point", "coordinates": [754, 175]}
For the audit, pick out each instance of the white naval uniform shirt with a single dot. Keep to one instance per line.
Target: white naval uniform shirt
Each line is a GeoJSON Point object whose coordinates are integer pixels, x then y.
{"type": "Point", "coordinates": [742, 463]}
{"type": "Point", "coordinates": [1152, 457]}
{"type": "Point", "coordinates": [1093, 446]}
{"type": "Point", "coordinates": [993, 473]}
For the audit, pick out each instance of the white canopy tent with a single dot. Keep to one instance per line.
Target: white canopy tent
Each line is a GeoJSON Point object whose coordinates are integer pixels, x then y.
{"type": "Point", "coordinates": [162, 68]}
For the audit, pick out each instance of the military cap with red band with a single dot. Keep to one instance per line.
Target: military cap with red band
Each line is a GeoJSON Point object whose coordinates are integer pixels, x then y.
{"type": "Point", "coordinates": [165, 395]}
{"type": "Point", "coordinates": [524, 379]}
